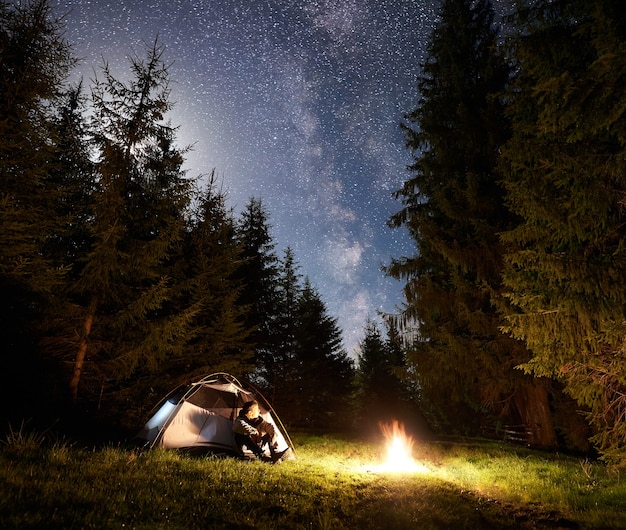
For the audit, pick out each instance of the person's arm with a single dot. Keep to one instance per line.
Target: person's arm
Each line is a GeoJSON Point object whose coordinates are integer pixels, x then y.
{"type": "Point", "coordinates": [243, 427]}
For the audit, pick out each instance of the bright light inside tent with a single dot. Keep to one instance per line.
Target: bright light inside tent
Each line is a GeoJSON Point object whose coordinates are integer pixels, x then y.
{"type": "Point", "coordinates": [399, 451]}
{"type": "Point", "coordinates": [161, 415]}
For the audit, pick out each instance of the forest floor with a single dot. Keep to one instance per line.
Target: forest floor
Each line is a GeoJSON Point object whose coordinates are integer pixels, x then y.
{"type": "Point", "coordinates": [333, 483]}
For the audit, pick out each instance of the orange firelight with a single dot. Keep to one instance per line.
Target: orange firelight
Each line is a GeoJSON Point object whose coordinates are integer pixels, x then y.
{"type": "Point", "coordinates": [399, 445]}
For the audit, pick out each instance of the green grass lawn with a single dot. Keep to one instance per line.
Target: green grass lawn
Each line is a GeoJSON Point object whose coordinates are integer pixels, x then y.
{"type": "Point", "coordinates": [333, 484]}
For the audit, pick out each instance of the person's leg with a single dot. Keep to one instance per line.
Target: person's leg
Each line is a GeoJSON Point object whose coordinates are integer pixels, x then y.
{"type": "Point", "coordinates": [278, 455]}
{"type": "Point", "coordinates": [243, 440]}
{"type": "Point", "coordinates": [269, 434]}
{"type": "Point", "coordinates": [270, 438]}
{"type": "Point", "coordinates": [265, 439]}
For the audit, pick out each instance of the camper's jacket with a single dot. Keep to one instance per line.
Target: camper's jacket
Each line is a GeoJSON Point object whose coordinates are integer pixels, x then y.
{"type": "Point", "coordinates": [244, 425]}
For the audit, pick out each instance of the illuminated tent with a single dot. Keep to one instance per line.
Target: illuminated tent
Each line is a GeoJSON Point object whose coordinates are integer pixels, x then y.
{"type": "Point", "coordinates": [199, 417]}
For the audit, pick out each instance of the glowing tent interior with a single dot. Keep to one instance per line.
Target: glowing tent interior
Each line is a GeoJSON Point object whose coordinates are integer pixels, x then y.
{"type": "Point", "coordinates": [199, 417]}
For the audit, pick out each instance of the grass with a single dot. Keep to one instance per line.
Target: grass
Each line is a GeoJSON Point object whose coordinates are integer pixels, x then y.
{"type": "Point", "coordinates": [333, 484]}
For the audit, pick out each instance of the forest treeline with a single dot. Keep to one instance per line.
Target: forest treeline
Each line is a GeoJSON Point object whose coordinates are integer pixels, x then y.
{"type": "Point", "coordinates": [123, 277]}
{"type": "Point", "coordinates": [516, 295]}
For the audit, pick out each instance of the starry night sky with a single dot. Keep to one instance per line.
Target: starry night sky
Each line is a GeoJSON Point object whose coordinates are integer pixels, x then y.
{"type": "Point", "coordinates": [296, 102]}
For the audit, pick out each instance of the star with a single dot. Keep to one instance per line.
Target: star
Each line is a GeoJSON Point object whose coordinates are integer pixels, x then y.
{"type": "Point", "coordinates": [296, 102]}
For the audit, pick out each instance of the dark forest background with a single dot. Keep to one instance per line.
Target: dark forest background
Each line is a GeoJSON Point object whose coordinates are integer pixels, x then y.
{"type": "Point", "coordinates": [122, 277]}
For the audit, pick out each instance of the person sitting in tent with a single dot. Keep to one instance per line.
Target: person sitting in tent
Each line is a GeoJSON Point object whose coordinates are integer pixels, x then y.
{"type": "Point", "coordinates": [252, 431]}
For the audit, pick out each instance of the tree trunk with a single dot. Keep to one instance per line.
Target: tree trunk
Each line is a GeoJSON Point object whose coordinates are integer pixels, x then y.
{"type": "Point", "coordinates": [81, 354]}
{"type": "Point", "coordinates": [531, 401]}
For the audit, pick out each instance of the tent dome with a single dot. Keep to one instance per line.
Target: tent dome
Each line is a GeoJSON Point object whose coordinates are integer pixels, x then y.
{"type": "Point", "coordinates": [199, 416]}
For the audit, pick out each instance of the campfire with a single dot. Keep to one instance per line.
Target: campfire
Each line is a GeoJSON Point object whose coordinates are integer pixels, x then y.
{"type": "Point", "coordinates": [399, 450]}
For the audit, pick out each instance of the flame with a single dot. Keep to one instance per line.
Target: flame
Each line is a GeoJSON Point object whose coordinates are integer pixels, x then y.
{"type": "Point", "coordinates": [399, 457]}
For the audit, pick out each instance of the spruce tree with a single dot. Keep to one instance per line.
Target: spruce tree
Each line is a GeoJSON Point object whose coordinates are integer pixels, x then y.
{"type": "Point", "coordinates": [283, 367]}
{"type": "Point", "coordinates": [375, 378]}
{"type": "Point", "coordinates": [73, 176]}
{"type": "Point", "coordinates": [209, 264]}
{"type": "Point", "coordinates": [259, 276]}
{"type": "Point", "coordinates": [563, 171]}
{"type": "Point", "coordinates": [454, 210]}
{"type": "Point", "coordinates": [326, 372]}
{"type": "Point", "coordinates": [382, 390]}
{"type": "Point", "coordinates": [35, 60]}
{"type": "Point", "coordinates": [121, 320]}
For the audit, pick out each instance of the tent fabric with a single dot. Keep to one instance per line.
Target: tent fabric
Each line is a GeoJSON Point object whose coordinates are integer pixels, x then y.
{"type": "Point", "coordinates": [195, 426]}
{"type": "Point", "coordinates": [200, 416]}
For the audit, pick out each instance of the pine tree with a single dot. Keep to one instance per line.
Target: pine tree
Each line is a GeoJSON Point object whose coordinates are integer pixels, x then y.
{"type": "Point", "coordinates": [73, 175]}
{"type": "Point", "coordinates": [563, 172]}
{"type": "Point", "coordinates": [259, 277]}
{"type": "Point", "coordinates": [326, 372]}
{"type": "Point", "coordinates": [382, 390]}
{"type": "Point", "coordinates": [210, 261]}
{"type": "Point", "coordinates": [35, 60]}
{"type": "Point", "coordinates": [121, 320]}
{"type": "Point", "coordinates": [282, 368]}
{"type": "Point", "coordinates": [454, 210]}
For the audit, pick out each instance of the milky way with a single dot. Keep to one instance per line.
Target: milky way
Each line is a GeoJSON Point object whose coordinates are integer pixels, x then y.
{"type": "Point", "coordinates": [295, 102]}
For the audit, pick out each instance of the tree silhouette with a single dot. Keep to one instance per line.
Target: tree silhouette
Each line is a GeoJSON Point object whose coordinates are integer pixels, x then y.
{"type": "Point", "coordinates": [563, 171]}
{"type": "Point", "coordinates": [454, 209]}
{"type": "Point", "coordinates": [119, 300]}
{"type": "Point", "coordinates": [35, 60]}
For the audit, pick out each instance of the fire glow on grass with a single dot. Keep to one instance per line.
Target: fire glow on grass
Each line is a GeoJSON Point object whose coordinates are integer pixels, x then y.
{"type": "Point", "coordinates": [399, 451]}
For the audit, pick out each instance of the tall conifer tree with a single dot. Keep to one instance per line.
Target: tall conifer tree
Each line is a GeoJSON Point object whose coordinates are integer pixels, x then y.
{"type": "Point", "coordinates": [564, 173]}
{"type": "Point", "coordinates": [35, 60]}
{"type": "Point", "coordinates": [384, 392]}
{"type": "Point", "coordinates": [325, 371]}
{"type": "Point", "coordinates": [454, 210]}
{"type": "Point", "coordinates": [121, 319]}
{"type": "Point", "coordinates": [379, 386]}
{"type": "Point", "coordinates": [259, 277]}
{"type": "Point", "coordinates": [206, 273]}
{"type": "Point", "coordinates": [283, 366]}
